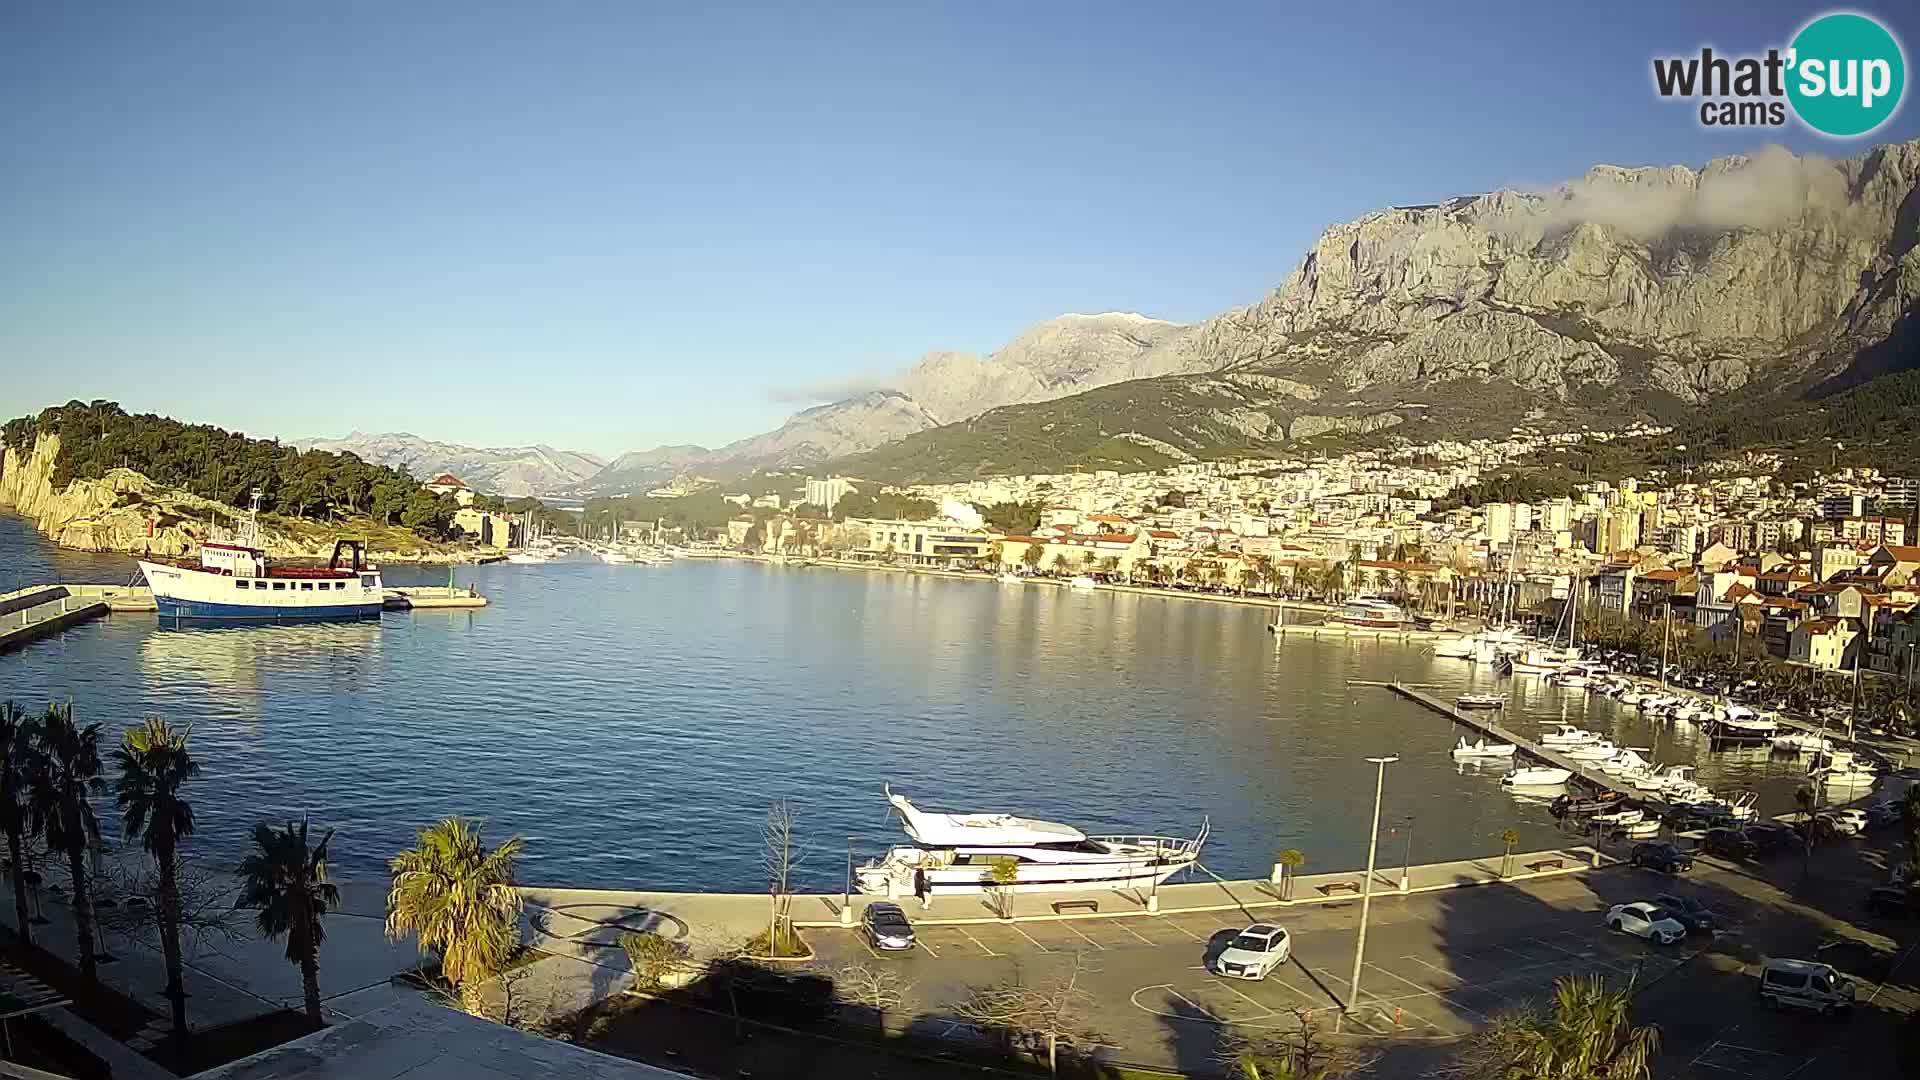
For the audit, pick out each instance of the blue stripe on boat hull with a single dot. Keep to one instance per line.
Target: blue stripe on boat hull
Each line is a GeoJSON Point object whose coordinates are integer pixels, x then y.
{"type": "Point", "coordinates": [171, 608]}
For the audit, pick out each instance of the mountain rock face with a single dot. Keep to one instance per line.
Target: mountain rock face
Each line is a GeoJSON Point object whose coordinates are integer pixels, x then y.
{"type": "Point", "coordinates": [515, 470]}
{"type": "Point", "coordinates": [1052, 359]}
{"type": "Point", "coordinates": [809, 437]}
{"type": "Point", "coordinates": [1628, 292]}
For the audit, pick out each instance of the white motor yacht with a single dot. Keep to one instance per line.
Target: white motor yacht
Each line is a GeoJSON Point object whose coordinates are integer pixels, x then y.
{"type": "Point", "coordinates": [1455, 648]}
{"type": "Point", "coordinates": [1008, 578]}
{"type": "Point", "coordinates": [1083, 583]}
{"type": "Point", "coordinates": [1801, 742]}
{"type": "Point", "coordinates": [956, 853]}
{"type": "Point", "coordinates": [1841, 768]}
{"type": "Point", "coordinates": [1602, 750]}
{"type": "Point", "coordinates": [1740, 722]}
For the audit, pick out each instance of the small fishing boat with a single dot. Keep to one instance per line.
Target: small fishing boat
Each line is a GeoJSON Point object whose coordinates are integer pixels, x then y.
{"type": "Point", "coordinates": [1567, 735]}
{"type": "Point", "coordinates": [1536, 776]}
{"type": "Point", "coordinates": [1083, 583]}
{"type": "Point", "coordinates": [1480, 701]}
{"type": "Point", "coordinates": [1482, 749]}
{"type": "Point", "coordinates": [1598, 802]}
{"type": "Point", "coordinates": [1639, 830]}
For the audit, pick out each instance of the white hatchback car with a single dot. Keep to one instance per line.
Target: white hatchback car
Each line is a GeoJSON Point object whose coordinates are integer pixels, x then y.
{"type": "Point", "coordinates": [1851, 821]}
{"type": "Point", "coordinates": [1649, 921]}
{"type": "Point", "coordinates": [1254, 952]}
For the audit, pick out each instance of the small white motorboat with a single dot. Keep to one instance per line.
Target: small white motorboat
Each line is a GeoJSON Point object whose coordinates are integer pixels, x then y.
{"type": "Point", "coordinates": [1008, 579]}
{"type": "Point", "coordinates": [1801, 742]}
{"type": "Point", "coordinates": [1482, 749]}
{"type": "Point", "coordinates": [1455, 648]}
{"type": "Point", "coordinates": [1640, 830]}
{"type": "Point", "coordinates": [1480, 701]}
{"type": "Point", "coordinates": [1623, 816]}
{"type": "Point", "coordinates": [1568, 735]}
{"type": "Point", "coordinates": [1536, 776]}
{"type": "Point", "coordinates": [1594, 752]}
{"type": "Point", "coordinates": [1083, 583]}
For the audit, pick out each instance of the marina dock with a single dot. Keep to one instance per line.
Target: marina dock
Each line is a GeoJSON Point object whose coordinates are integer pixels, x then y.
{"type": "Point", "coordinates": [1314, 630]}
{"type": "Point", "coordinates": [37, 611]}
{"type": "Point", "coordinates": [422, 597]}
{"type": "Point", "coordinates": [1485, 724]}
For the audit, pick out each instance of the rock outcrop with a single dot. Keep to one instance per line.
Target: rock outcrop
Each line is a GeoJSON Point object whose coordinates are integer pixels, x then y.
{"type": "Point", "coordinates": [125, 511]}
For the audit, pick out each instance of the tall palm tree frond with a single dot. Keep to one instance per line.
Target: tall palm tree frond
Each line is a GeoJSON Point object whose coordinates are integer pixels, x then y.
{"type": "Point", "coordinates": [154, 762]}
{"type": "Point", "coordinates": [458, 897]}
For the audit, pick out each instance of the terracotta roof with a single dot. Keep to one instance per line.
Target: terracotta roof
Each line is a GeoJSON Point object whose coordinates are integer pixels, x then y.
{"type": "Point", "coordinates": [1163, 534]}
{"type": "Point", "coordinates": [447, 480]}
{"type": "Point", "coordinates": [1903, 552]}
{"type": "Point", "coordinates": [1663, 575]}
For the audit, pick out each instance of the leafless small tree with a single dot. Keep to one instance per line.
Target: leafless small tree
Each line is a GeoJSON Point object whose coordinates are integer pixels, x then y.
{"type": "Point", "coordinates": [871, 986]}
{"type": "Point", "coordinates": [520, 998]}
{"type": "Point", "coordinates": [207, 915]}
{"type": "Point", "coordinates": [657, 962]}
{"type": "Point", "coordinates": [781, 856]}
{"type": "Point", "coordinates": [1047, 1013]}
{"type": "Point", "coordinates": [1301, 1053]}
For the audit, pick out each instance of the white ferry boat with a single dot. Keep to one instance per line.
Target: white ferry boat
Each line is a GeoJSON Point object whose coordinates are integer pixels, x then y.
{"type": "Point", "coordinates": [235, 582]}
{"type": "Point", "coordinates": [1370, 612]}
{"type": "Point", "coordinates": [956, 853]}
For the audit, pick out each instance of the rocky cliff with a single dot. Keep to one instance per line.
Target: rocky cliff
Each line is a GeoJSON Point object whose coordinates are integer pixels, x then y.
{"type": "Point", "coordinates": [1641, 292]}
{"type": "Point", "coordinates": [125, 511]}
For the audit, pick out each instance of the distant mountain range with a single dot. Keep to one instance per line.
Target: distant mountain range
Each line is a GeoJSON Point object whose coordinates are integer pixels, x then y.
{"type": "Point", "coordinates": [513, 470]}
{"type": "Point", "coordinates": [1628, 293]}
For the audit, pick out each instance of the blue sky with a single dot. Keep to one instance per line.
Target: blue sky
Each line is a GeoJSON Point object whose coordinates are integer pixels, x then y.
{"type": "Point", "coordinates": [612, 225]}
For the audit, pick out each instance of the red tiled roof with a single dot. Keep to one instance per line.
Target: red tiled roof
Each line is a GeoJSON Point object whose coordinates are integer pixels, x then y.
{"type": "Point", "coordinates": [1662, 575]}
{"type": "Point", "coordinates": [1904, 552]}
{"type": "Point", "coordinates": [1162, 534]}
{"type": "Point", "coordinates": [447, 480]}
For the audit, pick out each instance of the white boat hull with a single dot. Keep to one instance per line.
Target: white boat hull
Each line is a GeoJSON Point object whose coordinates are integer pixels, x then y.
{"type": "Point", "coordinates": [182, 593]}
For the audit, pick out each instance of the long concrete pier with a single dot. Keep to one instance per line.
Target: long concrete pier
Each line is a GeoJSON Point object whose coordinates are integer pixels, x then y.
{"type": "Point", "coordinates": [1486, 725]}
{"type": "Point", "coordinates": [32, 613]}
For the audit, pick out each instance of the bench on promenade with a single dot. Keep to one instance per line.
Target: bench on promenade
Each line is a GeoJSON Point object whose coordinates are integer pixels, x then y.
{"type": "Point", "coordinates": [1547, 864]}
{"type": "Point", "coordinates": [1060, 907]}
{"type": "Point", "coordinates": [1332, 887]}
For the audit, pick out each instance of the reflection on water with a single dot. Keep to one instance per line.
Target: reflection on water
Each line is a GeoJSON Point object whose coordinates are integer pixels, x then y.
{"type": "Point", "coordinates": [633, 721]}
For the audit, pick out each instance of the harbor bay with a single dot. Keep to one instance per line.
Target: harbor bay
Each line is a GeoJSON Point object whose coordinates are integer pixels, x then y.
{"type": "Point", "coordinates": [633, 723]}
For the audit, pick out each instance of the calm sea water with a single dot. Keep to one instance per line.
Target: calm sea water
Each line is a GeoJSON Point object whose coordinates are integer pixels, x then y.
{"type": "Point", "coordinates": [633, 722]}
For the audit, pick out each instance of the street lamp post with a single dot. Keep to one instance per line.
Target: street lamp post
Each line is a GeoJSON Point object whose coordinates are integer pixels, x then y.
{"type": "Point", "coordinates": [846, 898]}
{"type": "Point", "coordinates": [1406, 864]}
{"type": "Point", "coordinates": [1366, 890]}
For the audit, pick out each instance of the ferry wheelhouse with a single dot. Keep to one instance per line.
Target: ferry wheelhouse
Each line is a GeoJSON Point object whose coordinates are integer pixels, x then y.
{"type": "Point", "coordinates": [234, 581]}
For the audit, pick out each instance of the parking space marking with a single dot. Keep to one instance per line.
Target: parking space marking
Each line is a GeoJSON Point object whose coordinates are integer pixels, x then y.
{"type": "Point", "coordinates": [1248, 998]}
{"type": "Point", "coordinates": [1196, 1006]}
{"type": "Point", "coordinates": [1036, 944]}
{"type": "Point", "coordinates": [1429, 992]}
{"type": "Point", "coordinates": [1183, 930]}
{"type": "Point", "coordinates": [1457, 980]}
{"type": "Point", "coordinates": [924, 944]}
{"type": "Point", "coordinates": [1121, 923]}
{"type": "Point", "coordinates": [1084, 937]}
{"type": "Point", "coordinates": [975, 940]}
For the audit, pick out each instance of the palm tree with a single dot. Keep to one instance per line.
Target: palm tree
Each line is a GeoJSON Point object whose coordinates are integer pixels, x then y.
{"type": "Point", "coordinates": [154, 763]}
{"type": "Point", "coordinates": [1291, 860]}
{"type": "Point", "coordinates": [459, 897]}
{"type": "Point", "coordinates": [65, 775]}
{"type": "Point", "coordinates": [16, 753]}
{"type": "Point", "coordinates": [1589, 1035]}
{"type": "Point", "coordinates": [287, 881]}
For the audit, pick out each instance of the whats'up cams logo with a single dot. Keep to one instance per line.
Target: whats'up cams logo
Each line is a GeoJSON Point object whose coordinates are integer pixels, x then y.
{"type": "Point", "coordinates": [1843, 76]}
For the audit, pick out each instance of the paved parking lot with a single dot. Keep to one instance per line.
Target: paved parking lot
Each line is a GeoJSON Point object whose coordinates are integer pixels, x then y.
{"type": "Point", "coordinates": [1436, 967]}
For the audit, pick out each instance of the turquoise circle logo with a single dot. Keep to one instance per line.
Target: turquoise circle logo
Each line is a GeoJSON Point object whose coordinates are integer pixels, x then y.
{"type": "Point", "coordinates": [1847, 75]}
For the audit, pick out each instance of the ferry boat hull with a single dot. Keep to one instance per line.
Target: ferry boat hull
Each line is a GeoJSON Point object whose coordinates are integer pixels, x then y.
{"type": "Point", "coordinates": [236, 583]}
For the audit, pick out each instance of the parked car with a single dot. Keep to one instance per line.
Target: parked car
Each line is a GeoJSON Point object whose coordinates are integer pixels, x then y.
{"type": "Point", "coordinates": [1688, 912]}
{"type": "Point", "coordinates": [1646, 920]}
{"type": "Point", "coordinates": [1770, 837]}
{"type": "Point", "coordinates": [1848, 822]}
{"type": "Point", "coordinates": [1254, 952]}
{"type": "Point", "coordinates": [1856, 957]}
{"type": "Point", "coordinates": [1884, 814]}
{"type": "Point", "coordinates": [886, 927]}
{"type": "Point", "coordinates": [1729, 844]}
{"type": "Point", "coordinates": [1661, 856]}
{"type": "Point", "coordinates": [1898, 901]}
{"type": "Point", "coordinates": [1803, 984]}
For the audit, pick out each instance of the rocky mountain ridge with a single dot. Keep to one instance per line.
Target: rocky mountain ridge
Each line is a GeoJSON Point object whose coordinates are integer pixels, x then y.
{"type": "Point", "coordinates": [509, 470]}
{"type": "Point", "coordinates": [1628, 292]}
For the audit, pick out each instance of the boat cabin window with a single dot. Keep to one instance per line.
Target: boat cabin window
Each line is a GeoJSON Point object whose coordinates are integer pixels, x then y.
{"type": "Point", "coordinates": [986, 858]}
{"type": "Point", "coordinates": [242, 584]}
{"type": "Point", "coordinates": [279, 585]}
{"type": "Point", "coordinates": [366, 581]}
{"type": "Point", "coordinates": [306, 586]}
{"type": "Point", "coordinates": [1088, 847]}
